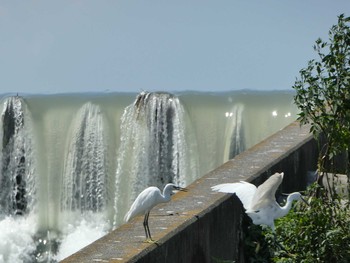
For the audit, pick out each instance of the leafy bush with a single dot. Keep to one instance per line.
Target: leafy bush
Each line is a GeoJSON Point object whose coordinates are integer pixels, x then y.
{"type": "Point", "coordinates": [316, 233]}
{"type": "Point", "coordinates": [323, 91]}
{"type": "Point", "coordinates": [319, 232]}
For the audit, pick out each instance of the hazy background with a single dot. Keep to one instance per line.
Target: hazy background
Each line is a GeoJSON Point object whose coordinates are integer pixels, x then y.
{"type": "Point", "coordinates": [126, 45]}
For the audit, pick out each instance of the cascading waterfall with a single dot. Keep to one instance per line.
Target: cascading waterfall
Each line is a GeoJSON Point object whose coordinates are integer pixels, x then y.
{"type": "Point", "coordinates": [72, 164]}
{"type": "Point", "coordinates": [85, 178]}
{"type": "Point", "coordinates": [234, 132]}
{"type": "Point", "coordinates": [154, 149]}
{"type": "Point", "coordinates": [17, 164]}
{"type": "Point", "coordinates": [85, 169]}
{"type": "Point", "coordinates": [17, 183]}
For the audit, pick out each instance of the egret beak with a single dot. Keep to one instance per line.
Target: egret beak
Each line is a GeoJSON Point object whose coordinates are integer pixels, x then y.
{"type": "Point", "coordinates": [302, 199]}
{"type": "Point", "coordinates": [181, 189]}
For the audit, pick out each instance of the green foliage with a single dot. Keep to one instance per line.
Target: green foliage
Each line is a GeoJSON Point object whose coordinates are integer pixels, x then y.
{"type": "Point", "coordinates": [323, 90]}
{"type": "Point", "coordinates": [316, 233]}
{"type": "Point", "coordinates": [319, 232]}
{"type": "Point", "coordinates": [257, 245]}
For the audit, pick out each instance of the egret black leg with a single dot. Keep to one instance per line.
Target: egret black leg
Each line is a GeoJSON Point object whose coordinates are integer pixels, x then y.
{"type": "Point", "coordinates": [145, 224]}
{"type": "Point", "coordinates": [149, 232]}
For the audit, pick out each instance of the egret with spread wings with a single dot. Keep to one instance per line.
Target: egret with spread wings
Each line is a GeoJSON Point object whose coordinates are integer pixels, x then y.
{"type": "Point", "coordinates": [260, 202]}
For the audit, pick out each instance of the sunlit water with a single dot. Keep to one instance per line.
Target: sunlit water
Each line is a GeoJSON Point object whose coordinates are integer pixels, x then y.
{"type": "Point", "coordinates": [72, 164]}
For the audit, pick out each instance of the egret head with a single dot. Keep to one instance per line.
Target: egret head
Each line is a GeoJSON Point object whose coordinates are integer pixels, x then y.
{"type": "Point", "coordinates": [172, 187]}
{"type": "Point", "coordinates": [297, 196]}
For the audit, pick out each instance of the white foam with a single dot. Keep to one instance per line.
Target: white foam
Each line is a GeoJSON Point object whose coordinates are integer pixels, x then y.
{"type": "Point", "coordinates": [17, 236]}
{"type": "Point", "coordinates": [81, 233]}
{"type": "Point", "coordinates": [16, 239]}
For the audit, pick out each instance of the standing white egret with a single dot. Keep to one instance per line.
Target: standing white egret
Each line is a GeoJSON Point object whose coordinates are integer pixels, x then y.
{"type": "Point", "coordinates": [146, 200]}
{"type": "Point", "coordinates": [260, 202]}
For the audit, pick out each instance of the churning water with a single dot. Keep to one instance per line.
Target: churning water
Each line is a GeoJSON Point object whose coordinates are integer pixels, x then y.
{"type": "Point", "coordinates": [71, 165]}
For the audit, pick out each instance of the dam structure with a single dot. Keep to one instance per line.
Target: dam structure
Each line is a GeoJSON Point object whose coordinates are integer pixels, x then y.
{"type": "Point", "coordinates": [205, 226]}
{"type": "Point", "coordinates": [72, 164]}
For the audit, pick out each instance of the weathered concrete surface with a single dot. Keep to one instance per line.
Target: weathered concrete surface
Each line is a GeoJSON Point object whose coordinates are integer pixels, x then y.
{"type": "Point", "coordinates": [200, 225]}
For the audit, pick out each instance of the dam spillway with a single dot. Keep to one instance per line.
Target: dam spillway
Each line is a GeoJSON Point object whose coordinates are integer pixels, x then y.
{"type": "Point", "coordinates": [68, 157]}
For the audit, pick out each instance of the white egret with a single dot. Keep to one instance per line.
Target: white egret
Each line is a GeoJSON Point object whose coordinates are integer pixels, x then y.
{"type": "Point", "coordinates": [146, 200]}
{"type": "Point", "coordinates": [260, 202]}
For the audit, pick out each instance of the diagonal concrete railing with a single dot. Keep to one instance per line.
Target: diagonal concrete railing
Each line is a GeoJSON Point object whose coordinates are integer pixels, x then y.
{"type": "Point", "coordinates": [201, 225]}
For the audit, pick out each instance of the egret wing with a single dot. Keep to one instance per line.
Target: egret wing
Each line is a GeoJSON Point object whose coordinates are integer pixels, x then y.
{"type": "Point", "coordinates": [245, 191]}
{"type": "Point", "coordinates": [144, 202]}
{"type": "Point", "coordinates": [265, 193]}
{"type": "Point", "coordinates": [262, 217]}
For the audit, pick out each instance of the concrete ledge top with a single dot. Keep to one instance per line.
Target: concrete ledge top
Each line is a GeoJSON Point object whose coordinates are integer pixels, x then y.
{"type": "Point", "coordinates": [263, 155]}
{"type": "Point", "coordinates": [125, 244]}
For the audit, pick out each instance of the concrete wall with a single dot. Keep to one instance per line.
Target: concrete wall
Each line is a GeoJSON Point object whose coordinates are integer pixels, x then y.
{"type": "Point", "coordinates": [201, 225]}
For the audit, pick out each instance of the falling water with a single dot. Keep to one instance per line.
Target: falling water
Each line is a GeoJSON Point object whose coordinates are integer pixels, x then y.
{"type": "Point", "coordinates": [85, 168]}
{"type": "Point", "coordinates": [17, 183]}
{"type": "Point", "coordinates": [85, 179]}
{"type": "Point", "coordinates": [234, 132]}
{"type": "Point", "coordinates": [17, 164]}
{"type": "Point", "coordinates": [72, 164]}
{"type": "Point", "coordinates": [154, 148]}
